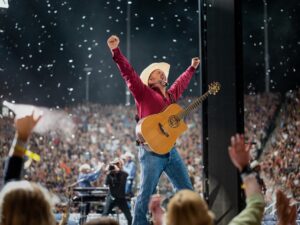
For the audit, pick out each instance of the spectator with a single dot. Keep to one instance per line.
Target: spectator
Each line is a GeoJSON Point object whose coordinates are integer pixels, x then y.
{"type": "Point", "coordinates": [23, 202]}
{"type": "Point", "coordinates": [286, 213]}
{"type": "Point", "coordinates": [130, 169]}
{"type": "Point", "coordinates": [86, 176]}
{"type": "Point", "coordinates": [116, 181]}
{"type": "Point", "coordinates": [102, 221]}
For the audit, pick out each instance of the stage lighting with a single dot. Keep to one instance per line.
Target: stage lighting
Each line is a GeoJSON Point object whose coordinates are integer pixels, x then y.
{"type": "Point", "coordinates": [4, 4]}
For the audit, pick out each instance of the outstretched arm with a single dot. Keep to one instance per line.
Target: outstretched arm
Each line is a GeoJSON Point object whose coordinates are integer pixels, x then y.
{"type": "Point", "coordinates": [240, 157]}
{"type": "Point", "coordinates": [182, 82]}
{"type": "Point", "coordinates": [14, 163]}
{"type": "Point", "coordinates": [95, 174]}
{"type": "Point", "coordinates": [131, 78]}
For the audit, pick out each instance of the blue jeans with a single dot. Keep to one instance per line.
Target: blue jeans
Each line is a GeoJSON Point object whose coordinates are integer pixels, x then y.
{"type": "Point", "coordinates": [152, 166]}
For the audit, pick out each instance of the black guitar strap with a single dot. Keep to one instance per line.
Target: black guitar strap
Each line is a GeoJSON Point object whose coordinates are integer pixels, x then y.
{"type": "Point", "coordinates": [172, 98]}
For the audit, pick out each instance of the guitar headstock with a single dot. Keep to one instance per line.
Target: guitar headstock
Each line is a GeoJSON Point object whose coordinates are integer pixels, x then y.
{"type": "Point", "coordinates": [214, 88]}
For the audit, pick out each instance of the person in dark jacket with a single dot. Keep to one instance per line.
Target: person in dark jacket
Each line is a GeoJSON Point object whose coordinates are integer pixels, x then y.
{"type": "Point", "coordinates": [116, 181]}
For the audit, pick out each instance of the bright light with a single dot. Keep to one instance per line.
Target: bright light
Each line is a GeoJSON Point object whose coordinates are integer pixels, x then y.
{"type": "Point", "coordinates": [4, 4]}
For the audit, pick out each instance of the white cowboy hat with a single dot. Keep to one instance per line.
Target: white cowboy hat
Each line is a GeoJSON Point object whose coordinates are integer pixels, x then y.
{"type": "Point", "coordinates": [165, 67]}
{"type": "Point", "coordinates": [84, 167]}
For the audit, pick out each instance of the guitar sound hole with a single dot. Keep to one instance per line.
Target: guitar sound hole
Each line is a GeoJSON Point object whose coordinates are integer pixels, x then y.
{"type": "Point", "coordinates": [173, 121]}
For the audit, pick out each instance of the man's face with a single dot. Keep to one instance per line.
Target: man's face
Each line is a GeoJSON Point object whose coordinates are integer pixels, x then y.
{"type": "Point", "coordinates": [155, 77]}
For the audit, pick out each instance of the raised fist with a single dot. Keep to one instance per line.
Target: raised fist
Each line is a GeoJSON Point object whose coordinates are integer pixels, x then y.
{"type": "Point", "coordinates": [195, 62]}
{"type": "Point", "coordinates": [113, 42]}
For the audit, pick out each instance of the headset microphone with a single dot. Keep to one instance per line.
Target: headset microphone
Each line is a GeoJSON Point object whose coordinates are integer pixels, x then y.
{"type": "Point", "coordinates": [164, 83]}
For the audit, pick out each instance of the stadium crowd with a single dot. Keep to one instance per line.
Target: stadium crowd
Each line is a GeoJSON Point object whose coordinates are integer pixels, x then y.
{"type": "Point", "coordinates": [104, 132]}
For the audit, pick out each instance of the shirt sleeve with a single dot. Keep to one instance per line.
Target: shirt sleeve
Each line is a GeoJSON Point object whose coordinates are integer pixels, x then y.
{"type": "Point", "coordinates": [13, 168]}
{"type": "Point", "coordinates": [132, 79]}
{"type": "Point", "coordinates": [107, 180]}
{"type": "Point", "coordinates": [181, 83]}
{"type": "Point", "coordinates": [253, 213]}
{"type": "Point", "coordinates": [93, 176]}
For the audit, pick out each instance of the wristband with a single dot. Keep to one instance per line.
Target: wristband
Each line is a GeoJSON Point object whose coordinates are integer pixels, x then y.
{"type": "Point", "coordinates": [247, 170]}
{"type": "Point", "coordinates": [21, 151]}
{"type": "Point", "coordinates": [18, 148]}
{"type": "Point", "coordinates": [245, 175]}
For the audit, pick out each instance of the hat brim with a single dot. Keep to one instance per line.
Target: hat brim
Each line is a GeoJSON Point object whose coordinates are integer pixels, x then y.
{"type": "Point", "coordinates": [165, 67]}
{"type": "Point", "coordinates": [84, 167]}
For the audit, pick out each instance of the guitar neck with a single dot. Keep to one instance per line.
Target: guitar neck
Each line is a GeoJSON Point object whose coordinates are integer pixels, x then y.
{"type": "Point", "coordinates": [195, 104]}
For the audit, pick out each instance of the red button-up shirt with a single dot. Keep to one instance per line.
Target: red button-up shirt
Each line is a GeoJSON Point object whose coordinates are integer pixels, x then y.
{"type": "Point", "coordinates": [148, 100]}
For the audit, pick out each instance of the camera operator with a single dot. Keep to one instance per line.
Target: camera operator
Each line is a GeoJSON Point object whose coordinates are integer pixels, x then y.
{"type": "Point", "coordinates": [116, 181]}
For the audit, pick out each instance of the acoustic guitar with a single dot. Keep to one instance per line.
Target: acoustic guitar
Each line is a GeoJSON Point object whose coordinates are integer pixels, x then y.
{"type": "Point", "coordinates": [160, 131]}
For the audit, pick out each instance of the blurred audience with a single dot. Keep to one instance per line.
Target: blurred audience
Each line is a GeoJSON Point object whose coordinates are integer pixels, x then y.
{"type": "Point", "coordinates": [102, 135]}
{"type": "Point", "coordinates": [281, 158]}
{"type": "Point", "coordinates": [259, 112]}
{"type": "Point", "coordinates": [23, 202]}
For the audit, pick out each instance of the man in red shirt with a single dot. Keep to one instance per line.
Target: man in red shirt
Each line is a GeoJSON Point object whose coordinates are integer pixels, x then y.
{"type": "Point", "coordinates": [151, 96]}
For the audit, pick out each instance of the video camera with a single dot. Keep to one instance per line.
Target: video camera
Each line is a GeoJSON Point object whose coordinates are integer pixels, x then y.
{"type": "Point", "coordinates": [112, 165]}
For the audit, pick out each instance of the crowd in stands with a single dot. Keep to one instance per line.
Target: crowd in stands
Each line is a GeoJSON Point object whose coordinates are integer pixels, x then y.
{"type": "Point", "coordinates": [281, 157]}
{"type": "Point", "coordinates": [259, 113]}
{"type": "Point", "coordinates": [105, 132]}
{"type": "Point", "coordinates": [23, 202]}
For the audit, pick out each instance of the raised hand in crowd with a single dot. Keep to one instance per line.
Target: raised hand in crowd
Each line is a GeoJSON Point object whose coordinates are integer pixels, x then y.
{"type": "Point", "coordinates": [14, 163]}
{"type": "Point", "coordinates": [240, 156]}
{"type": "Point", "coordinates": [239, 152]}
{"type": "Point", "coordinates": [24, 127]}
{"type": "Point", "coordinates": [286, 212]}
{"type": "Point", "coordinates": [156, 210]}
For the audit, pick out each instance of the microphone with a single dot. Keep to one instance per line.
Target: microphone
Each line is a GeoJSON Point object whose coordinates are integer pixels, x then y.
{"type": "Point", "coordinates": [164, 83]}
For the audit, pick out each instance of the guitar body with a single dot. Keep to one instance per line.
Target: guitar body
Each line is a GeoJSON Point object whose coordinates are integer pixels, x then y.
{"type": "Point", "coordinates": [160, 131]}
